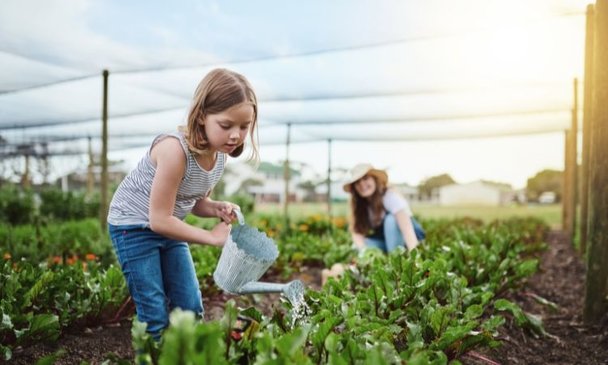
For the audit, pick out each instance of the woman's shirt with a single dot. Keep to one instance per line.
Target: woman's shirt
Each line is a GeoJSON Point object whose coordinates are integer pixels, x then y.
{"type": "Point", "coordinates": [131, 201]}
{"type": "Point", "coordinates": [393, 203]}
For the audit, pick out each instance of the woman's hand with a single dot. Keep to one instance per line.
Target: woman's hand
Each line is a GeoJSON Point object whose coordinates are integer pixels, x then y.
{"type": "Point", "coordinates": [220, 234]}
{"type": "Point", "coordinates": [225, 211]}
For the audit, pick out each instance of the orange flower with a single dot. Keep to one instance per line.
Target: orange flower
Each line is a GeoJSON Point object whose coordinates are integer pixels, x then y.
{"type": "Point", "coordinates": [70, 260]}
{"type": "Point", "coordinates": [339, 222]}
{"type": "Point", "coordinates": [90, 257]}
{"type": "Point", "coordinates": [56, 260]}
{"type": "Point", "coordinates": [7, 256]}
{"type": "Point", "coordinates": [303, 227]}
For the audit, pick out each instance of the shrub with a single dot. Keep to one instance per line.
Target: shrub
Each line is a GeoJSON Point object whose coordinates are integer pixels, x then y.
{"type": "Point", "coordinates": [16, 206]}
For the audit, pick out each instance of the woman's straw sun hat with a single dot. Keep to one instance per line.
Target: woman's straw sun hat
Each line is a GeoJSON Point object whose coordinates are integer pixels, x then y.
{"type": "Point", "coordinates": [361, 170]}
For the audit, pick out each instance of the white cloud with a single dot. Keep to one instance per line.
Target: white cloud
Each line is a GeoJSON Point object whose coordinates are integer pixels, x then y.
{"type": "Point", "coordinates": [56, 31]}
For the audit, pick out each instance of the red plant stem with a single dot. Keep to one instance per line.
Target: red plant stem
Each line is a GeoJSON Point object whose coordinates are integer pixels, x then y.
{"type": "Point", "coordinates": [481, 357]}
{"type": "Point", "coordinates": [120, 310]}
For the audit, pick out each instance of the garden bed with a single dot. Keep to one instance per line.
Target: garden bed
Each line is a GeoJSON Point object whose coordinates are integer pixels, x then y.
{"type": "Point", "coordinates": [560, 280]}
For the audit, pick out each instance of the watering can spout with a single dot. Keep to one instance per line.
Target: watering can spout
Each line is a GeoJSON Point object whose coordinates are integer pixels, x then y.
{"type": "Point", "coordinates": [294, 290]}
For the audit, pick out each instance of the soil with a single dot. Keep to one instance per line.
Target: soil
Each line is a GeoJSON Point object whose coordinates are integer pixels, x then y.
{"type": "Point", "coordinates": [560, 279]}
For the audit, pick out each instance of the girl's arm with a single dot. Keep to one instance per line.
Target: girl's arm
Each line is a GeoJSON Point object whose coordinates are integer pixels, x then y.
{"type": "Point", "coordinates": [207, 207]}
{"type": "Point", "coordinates": [404, 222]}
{"type": "Point", "coordinates": [170, 161]}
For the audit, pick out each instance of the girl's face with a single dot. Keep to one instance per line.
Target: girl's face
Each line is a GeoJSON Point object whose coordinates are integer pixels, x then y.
{"type": "Point", "coordinates": [365, 186]}
{"type": "Point", "coordinates": [227, 130]}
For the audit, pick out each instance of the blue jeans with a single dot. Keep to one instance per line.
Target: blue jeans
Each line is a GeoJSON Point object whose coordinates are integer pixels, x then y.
{"type": "Point", "coordinates": [392, 235]}
{"type": "Point", "coordinates": [159, 272]}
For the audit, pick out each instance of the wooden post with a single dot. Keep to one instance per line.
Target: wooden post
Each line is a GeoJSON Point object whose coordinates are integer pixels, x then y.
{"type": "Point", "coordinates": [286, 177]}
{"type": "Point", "coordinates": [25, 178]}
{"type": "Point", "coordinates": [329, 178]}
{"type": "Point", "coordinates": [596, 284]}
{"type": "Point", "coordinates": [565, 184]}
{"type": "Point", "coordinates": [90, 175]}
{"type": "Point", "coordinates": [584, 198]}
{"type": "Point", "coordinates": [572, 163]}
{"type": "Point", "coordinates": [103, 206]}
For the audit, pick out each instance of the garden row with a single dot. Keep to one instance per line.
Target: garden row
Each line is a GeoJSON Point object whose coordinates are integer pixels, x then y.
{"type": "Point", "coordinates": [428, 306]}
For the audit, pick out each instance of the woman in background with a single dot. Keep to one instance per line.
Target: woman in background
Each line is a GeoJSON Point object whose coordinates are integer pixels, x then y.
{"type": "Point", "coordinates": [379, 217]}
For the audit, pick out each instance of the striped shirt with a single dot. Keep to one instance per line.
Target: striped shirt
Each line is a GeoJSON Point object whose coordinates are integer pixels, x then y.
{"type": "Point", "coordinates": [131, 201]}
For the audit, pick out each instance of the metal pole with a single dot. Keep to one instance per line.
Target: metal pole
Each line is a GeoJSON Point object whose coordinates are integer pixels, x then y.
{"type": "Point", "coordinates": [584, 198]}
{"type": "Point", "coordinates": [103, 206]}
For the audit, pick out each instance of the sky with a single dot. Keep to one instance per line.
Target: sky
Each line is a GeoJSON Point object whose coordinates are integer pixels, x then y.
{"type": "Point", "coordinates": [479, 89]}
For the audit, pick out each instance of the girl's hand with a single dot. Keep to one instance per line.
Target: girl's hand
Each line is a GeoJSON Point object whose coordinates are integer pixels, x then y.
{"type": "Point", "coordinates": [220, 234]}
{"type": "Point", "coordinates": [225, 211]}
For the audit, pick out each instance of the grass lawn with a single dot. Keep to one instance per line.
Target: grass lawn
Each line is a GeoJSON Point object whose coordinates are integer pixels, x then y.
{"type": "Point", "coordinates": [552, 214]}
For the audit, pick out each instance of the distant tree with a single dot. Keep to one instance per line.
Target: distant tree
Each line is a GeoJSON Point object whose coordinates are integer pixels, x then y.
{"type": "Point", "coordinates": [310, 189]}
{"type": "Point", "coordinates": [219, 189]}
{"type": "Point", "coordinates": [249, 182]}
{"type": "Point", "coordinates": [546, 180]}
{"type": "Point", "coordinates": [427, 186]}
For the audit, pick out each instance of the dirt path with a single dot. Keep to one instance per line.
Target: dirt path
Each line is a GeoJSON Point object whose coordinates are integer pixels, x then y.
{"type": "Point", "coordinates": [560, 280]}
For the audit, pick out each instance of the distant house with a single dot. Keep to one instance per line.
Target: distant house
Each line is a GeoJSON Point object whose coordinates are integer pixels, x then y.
{"type": "Point", "coordinates": [547, 197]}
{"type": "Point", "coordinates": [410, 193]}
{"type": "Point", "coordinates": [266, 184]}
{"type": "Point", "coordinates": [475, 193]}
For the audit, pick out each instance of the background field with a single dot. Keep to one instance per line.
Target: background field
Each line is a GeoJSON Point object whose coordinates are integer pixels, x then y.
{"type": "Point", "coordinates": [549, 213]}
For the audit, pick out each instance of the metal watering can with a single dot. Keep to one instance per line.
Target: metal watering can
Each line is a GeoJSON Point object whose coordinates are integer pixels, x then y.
{"type": "Point", "coordinates": [245, 257]}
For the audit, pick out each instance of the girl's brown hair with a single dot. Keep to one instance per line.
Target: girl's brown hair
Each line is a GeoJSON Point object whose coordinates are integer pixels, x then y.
{"type": "Point", "coordinates": [362, 223]}
{"type": "Point", "coordinates": [220, 90]}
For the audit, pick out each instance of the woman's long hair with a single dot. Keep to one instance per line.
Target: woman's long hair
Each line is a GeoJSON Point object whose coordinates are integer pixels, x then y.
{"type": "Point", "coordinates": [220, 90]}
{"type": "Point", "coordinates": [361, 207]}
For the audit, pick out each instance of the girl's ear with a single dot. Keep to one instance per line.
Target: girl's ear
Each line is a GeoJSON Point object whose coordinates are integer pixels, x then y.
{"type": "Point", "coordinates": [237, 152]}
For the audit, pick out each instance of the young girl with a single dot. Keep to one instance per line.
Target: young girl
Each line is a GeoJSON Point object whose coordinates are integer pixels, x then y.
{"type": "Point", "coordinates": [380, 217]}
{"type": "Point", "coordinates": [175, 178]}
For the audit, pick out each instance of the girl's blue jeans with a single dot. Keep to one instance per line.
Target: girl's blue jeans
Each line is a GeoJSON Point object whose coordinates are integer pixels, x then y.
{"type": "Point", "coordinates": [392, 235]}
{"type": "Point", "coordinates": [159, 272]}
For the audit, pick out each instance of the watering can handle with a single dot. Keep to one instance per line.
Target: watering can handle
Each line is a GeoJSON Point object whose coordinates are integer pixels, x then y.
{"type": "Point", "coordinates": [239, 216]}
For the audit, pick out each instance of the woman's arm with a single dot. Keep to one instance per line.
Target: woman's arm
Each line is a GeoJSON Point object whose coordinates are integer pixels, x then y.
{"type": "Point", "coordinates": [404, 222]}
{"type": "Point", "coordinates": [170, 161]}
{"type": "Point", "coordinates": [358, 240]}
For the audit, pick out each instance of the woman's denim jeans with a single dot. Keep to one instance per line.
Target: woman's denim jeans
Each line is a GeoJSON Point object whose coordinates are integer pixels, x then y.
{"type": "Point", "coordinates": [392, 235]}
{"type": "Point", "coordinates": [159, 272]}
